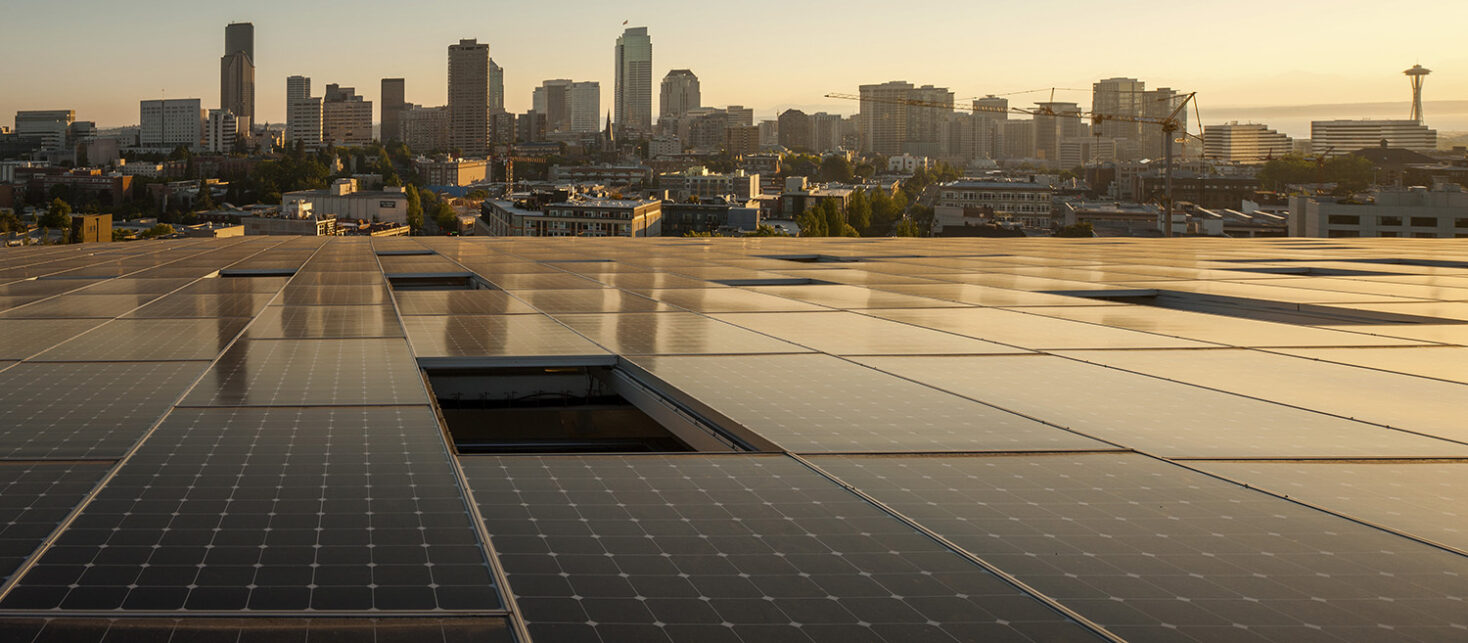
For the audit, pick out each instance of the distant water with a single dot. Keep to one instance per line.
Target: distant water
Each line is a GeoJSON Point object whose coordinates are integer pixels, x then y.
{"type": "Point", "coordinates": [1444, 116]}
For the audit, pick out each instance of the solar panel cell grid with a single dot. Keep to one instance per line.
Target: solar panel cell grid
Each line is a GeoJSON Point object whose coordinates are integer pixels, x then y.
{"type": "Point", "coordinates": [702, 548]}
{"type": "Point", "coordinates": [337, 372]}
{"type": "Point", "coordinates": [1153, 551]}
{"type": "Point", "coordinates": [273, 509]}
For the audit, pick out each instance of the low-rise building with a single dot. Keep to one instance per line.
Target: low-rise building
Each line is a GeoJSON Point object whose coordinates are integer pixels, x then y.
{"type": "Point", "coordinates": [800, 196]}
{"type": "Point", "coordinates": [969, 202]}
{"type": "Point", "coordinates": [709, 216]}
{"type": "Point", "coordinates": [1440, 213]}
{"type": "Point", "coordinates": [573, 217]}
{"type": "Point", "coordinates": [637, 175]}
{"type": "Point", "coordinates": [1341, 137]}
{"type": "Point", "coordinates": [698, 182]}
{"type": "Point", "coordinates": [444, 171]}
{"type": "Point", "coordinates": [1245, 143]}
{"type": "Point", "coordinates": [344, 201]}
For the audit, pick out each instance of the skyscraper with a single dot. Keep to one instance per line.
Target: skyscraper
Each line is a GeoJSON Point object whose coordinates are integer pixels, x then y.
{"type": "Point", "coordinates": [680, 93]}
{"type": "Point", "coordinates": [346, 119]}
{"type": "Point", "coordinates": [302, 113]}
{"type": "Point", "coordinates": [393, 104]}
{"type": "Point", "coordinates": [585, 101]}
{"type": "Point", "coordinates": [237, 75]}
{"type": "Point", "coordinates": [633, 111]}
{"type": "Point", "coordinates": [1054, 123]}
{"type": "Point", "coordinates": [496, 88]}
{"type": "Point", "coordinates": [884, 117]}
{"type": "Point", "coordinates": [469, 97]}
{"type": "Point", "coordinates": [1125, 98]}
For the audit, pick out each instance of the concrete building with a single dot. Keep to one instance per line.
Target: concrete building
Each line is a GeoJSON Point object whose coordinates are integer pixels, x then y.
{"type": "Point", "coordinates": [795, 130]}
{"type": "Point", "coordinates": [825, 132]}
{"type": "Point", "coordinates": [220, 131]}
{"type": "Point", "coordinates": [883, 119]}
{"type": "Point", "coordinates": [344, 201]}
{"type": "Point", "coordinates": [569, 106]}
{"type": "Point", "coordinates": [346, 119]}
{"type": "Point", "coordinates": [1122, 97]}
{"type": "Point", "coordinates": [1159, 104]}
{"type": "Point", "coordinates": [1018, 141]}
{"type": "Point", "coordinates": [740, 116]}
{"type": "Point", "coordinates": [701, 183]}
{"type": "Point", "coordinates": [426, 129]}
{"type": "Point", "coordinates": [968, 203]}
{"type": "Point", "coordinates": [633, 91]}
{"type": "Point", "coordinates": [169, 123]}
{"type": "Point", "coordinates": [680, 93]}
{"type": "Point", "coordinates": [1419, 212]}
{"type": "Point", "coordinates": [741, 141]}
{"type": "Point", "coordinates": [713, 215]}
{"type": "Point", "coordinates": [456, 172]}
{"type": "Point", "coordinates": [90, 228]}
{"type": "Point", "coordinates": [1244, 143]}
{"type": "Point", "coordinates": [1054, 123]}
{"type": "Point", "coordinates": [1341, 137]}
{"type": "Point", "coordinates": [576, 217]}
{"type": "Point", "coordinates": [50, 126]}
{"type": "Point", "coordinates": [237, 75]}
{"type": "Point", "coordinates": [769, 134]}
{"type": "Point", "coordinates": [393, 104]}
{"type": "Point", "coordinates": [469, 97]}
{"type": "Point", "coordinates": [927, 124]}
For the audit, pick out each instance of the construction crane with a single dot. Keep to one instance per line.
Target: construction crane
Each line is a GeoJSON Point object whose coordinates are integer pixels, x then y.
{"type": "Point", "coordinates": [1172, 124]}
{"type": "Point", "coordinates": [510, 162]}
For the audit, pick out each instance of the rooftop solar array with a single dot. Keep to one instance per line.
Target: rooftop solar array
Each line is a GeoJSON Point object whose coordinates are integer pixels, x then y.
{"type": "Point", "coordinates": [917, 440]}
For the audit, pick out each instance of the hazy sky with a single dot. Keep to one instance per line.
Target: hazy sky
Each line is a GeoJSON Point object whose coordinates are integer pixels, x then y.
{"type": "Point", "coordinates": [100, 57]}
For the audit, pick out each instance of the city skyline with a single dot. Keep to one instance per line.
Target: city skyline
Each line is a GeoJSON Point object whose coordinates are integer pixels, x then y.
{"type": "Point", "coordinates": [820, 60]}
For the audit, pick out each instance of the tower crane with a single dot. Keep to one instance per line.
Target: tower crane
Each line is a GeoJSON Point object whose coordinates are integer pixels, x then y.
{"type": "Point", "coordinates": [1172, 124]}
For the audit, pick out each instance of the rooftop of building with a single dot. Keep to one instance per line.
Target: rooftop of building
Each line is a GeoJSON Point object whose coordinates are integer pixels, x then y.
{"type": "Point", "coordinates": [269, 438]}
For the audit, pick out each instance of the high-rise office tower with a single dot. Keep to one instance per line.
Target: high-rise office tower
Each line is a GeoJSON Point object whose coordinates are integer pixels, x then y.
{"type": "Point", "coordinates": [1054, 123]}
{"type": "Point", "coordinates": [795, 130]}
{"type": "Point", "coordinates": [991, 112]}
{"type": "Point", "coordinates": [553, 100]}
{"type": "Point", "coordinates": [633, 93]}
{"type": "Point", "coordinates": [1122, 99]}
{"type": "Point", "coordinates": [680, 93]}
{"type": "Point", "coordinates": [469, 97]}
{"type": "Point", "coordinates": [393, 104]}
{"type": "Point", "coordinates": [884, 117]}
{"type": "Point", "coordinates": [50, 126]}
{"type": "Point", "coordinates": [585, 99]}
{"type": "Point", "coordinates": [302, 112]}
{"type": "Point", "coordinates": [346, 119]}
{"type": "Point", "coordinates": [496, 88]}
{"type": "Point", "coordinates": [237, 75]}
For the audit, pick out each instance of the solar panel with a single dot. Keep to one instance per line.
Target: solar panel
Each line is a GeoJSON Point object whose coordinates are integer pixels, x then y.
{"type": "Point", "coordinates": [283, 509]}
{"type": "Point", "coordinates": [22, 338]}
{"type": "Point", "coordinates": [728, 300]}
{"type": "Point", "coordinates": [589, 301]}
{"type": "Point", "coordinates": [714, 548]}
{"type": "Point", "coordinates": [1153, 551]}
{"type": "Point", "coordinates": [255, 630]}
{"type": "Point", "coordinates": [1204, 327]}
{"type": "Point", "coordinates": [1158, 416]}
{"type": "Point", "coordinates": [1412, 403]}
{"type": "Point", "coordinates": [676, 333]}
{"type": "Point", "coordinates": [34, 498]}
{"type": "Point", "coordinates": [326, 322]}
{"type": "Point", "coordinates": [848, 333]}
{"type": "Point", "coordinates": [1422, 498]}
{"type": "Point", "coordinates": [96, 410]}
{"type": "Point", "coordinates": [1030, 331]}
{"type": "Point", "coordinates": [334, 372]}
{"type": "Point", "coordinates": [494, 336]}
{"type": "Point", "coordinates": [460, 302]}
{"type": "Point", "coordinates": [822, 404]}
{"type": "Point", "coordinates": [125, 340]}
{"type": "Point", "coordinates": [183, 306]}
{"type": "Point", "coordinates": [361, 295]}
{"type": "Point", "coordinates": [78, 307]}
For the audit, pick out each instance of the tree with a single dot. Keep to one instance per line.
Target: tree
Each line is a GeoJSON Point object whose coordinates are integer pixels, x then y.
{"type": "Point", "coordinates": [445, 217]}
{"type": "Point", "coordinates": [160, 230]}
{"type": "Point", "coordinates": [859, 212]}
{"type": "Point", "coordinates": [415, 209]}
{"type": "Point", "coordinates": [1082, 230]}
{"type": "Point", "coordinates": [205, 200]}
{"type": "Point", "coordinates": [10, 223]}
{"type": "Point", "coordinates": [905, 228]}
{"type": "Point", "coordinates": [763, 230]}
{"type": "Point", "coordinates": [812, 222]}
{"type": "Point", "coordinates": [57, 216]}
{"type": "Point", "coordinates": [835, 169]}
{"type": "Point", "coordinates": [478, 195]}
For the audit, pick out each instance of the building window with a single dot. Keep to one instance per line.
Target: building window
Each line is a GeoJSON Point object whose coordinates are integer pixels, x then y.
{"type": "Point", "coordinates": [1389, 221]}
{"type": "Point", "coordinates": [1389, 234]}
{"type": "Point", "coordinates": [1461, 223]}
{"type": "Point", "coordinates": [1344, 219]}
{"type": "Point", "coordinates": [1344, 234]}
{"type": "Point", "coordinates": [1424, 222]}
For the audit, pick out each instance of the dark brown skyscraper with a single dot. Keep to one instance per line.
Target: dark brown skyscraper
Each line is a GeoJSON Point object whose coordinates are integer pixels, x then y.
{"type": "Point", "coordinates": [393, 105]}
{"type": "Point", "coordinates": [237, 75]}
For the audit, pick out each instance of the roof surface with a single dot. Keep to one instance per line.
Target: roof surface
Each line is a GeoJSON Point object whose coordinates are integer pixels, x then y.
{"type": "Point", "coordinates": [948, 440]}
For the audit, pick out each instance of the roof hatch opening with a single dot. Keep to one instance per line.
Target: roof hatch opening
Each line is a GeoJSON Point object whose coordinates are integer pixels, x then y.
{"type": "Point", "coordinates": [564, 409]}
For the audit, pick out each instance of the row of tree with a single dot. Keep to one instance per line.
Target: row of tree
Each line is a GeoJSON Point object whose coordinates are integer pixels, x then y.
{"type": "Point", "coordinates": [1349, 173]}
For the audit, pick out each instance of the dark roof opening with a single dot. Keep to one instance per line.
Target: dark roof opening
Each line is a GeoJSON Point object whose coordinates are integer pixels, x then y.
{"type": "Point", "coordinates": [436, 281]}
